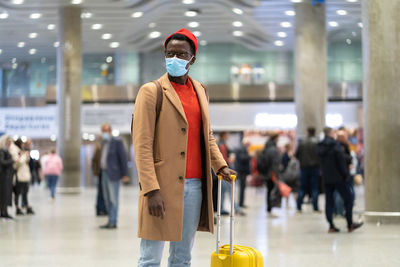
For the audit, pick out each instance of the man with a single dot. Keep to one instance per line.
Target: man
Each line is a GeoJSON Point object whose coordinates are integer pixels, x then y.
{"type": "Point", "coordinates": [96, 169]}
{"type": "Point", "coordinates": [309, 168]}
{"type": "Point", "coordinates": [242, 166]}
{"type": "Point", "coordinates": [114, 167]}
{"type": "Point", "coordinates": [175, 151]}
{"type": "Point", "coordinates": [335, 173]}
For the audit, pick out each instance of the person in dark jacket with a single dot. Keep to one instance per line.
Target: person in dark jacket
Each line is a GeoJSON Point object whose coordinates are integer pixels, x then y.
{"type": "Point", "coordinates": [96, 169]}
{"type": "Point", "coordinates": [6, 176]}
{"type": "Point", "coordinates": [242, 166]}
{"type": "Point", "coordinates": [309, 168]}
{"type": "Point", "coordinates": [335, 173]}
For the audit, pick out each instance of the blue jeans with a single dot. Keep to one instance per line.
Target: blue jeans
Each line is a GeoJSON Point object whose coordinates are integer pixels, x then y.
{"type": "Point", "coordinates": [111, 197]}
{"type": "Point", "coordinates": [51, 181]}
{"type": "Point", "coordinates": [309, 179]}
{"type": "Point", "coordinates": [179, 252]}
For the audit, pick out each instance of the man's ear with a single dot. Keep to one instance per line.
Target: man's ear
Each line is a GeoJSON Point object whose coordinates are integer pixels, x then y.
{"type": "Point", "coordinates": [193, 60]}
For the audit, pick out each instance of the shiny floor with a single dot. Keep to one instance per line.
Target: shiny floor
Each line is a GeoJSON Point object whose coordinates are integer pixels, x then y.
{"type": "Point", "coordinates": [66, 233]}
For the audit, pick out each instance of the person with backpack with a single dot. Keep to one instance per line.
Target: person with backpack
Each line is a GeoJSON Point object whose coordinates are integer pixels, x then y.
{"type": "Point", "coordinates": [268, 164]}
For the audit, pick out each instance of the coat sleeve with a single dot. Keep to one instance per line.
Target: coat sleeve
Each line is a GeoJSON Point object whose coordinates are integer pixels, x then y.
{"type": "Point", "coordinates": [217, 160]}
{"type": "Point", "coordinates": [144, 119]}
{"type": "Point", "coordinates": [4, 161]}
{"type": "Point", "coordinates": [123, 159]}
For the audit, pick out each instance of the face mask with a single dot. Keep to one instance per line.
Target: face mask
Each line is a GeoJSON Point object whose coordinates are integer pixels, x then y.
{"type": "Point", "coordinates": [176, 67]}
{"type": "Point", "coordinates": [106, 136]}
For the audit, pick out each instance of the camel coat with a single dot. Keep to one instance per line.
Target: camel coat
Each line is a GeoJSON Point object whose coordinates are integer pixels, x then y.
{"type": "Point", "coordinates": [162, 165]}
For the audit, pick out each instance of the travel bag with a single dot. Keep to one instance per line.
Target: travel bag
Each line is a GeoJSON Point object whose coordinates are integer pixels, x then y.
{"type": "Point", "coordinates": [233, 255]}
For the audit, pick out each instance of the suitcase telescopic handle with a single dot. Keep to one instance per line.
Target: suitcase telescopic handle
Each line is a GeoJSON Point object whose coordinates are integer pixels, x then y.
{"type": "Point", "coordinates": [232, 215]}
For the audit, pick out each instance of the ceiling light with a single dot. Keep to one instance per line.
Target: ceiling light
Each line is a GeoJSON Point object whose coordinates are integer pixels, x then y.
{"type": "Point", "coordinates": [35, 16]}
{"type": "Point", "coordinates": [86, 15]}
{"type": "Point", "coordinates": [51, 27]}
{"type": "Point", "coordinates": [56, 44]}
{"type": "Point", "coordinates": [97, 26]}
{"type": "Point", "coordinates": [237, 11]}
{"type": "Point", "coordinates": [237, 24]}
{"type": "Point", "coordinates": [341, 12]}
{"type": "Point", "coordinates": [360, 24]}
{"type": "Point", "coordinates": [333, 24]}
{"type": "Point", "coordinates": [188, 2]}
{"type": "Point", "coordinates": [109, 59]}
{"type": "Point", "coordinates": [352, 1]}
{"type": "Point", "coordinates": [193, 24]}
{"type": "Point", "coordinates": [137, 14]}
{"type": "Point", "coordinates": [21, 44]}
{"type": "Point", "coordinates": [354, 34]}
{"type": "Point", "coordinates": [296, 1]}
{"type": "Point", "coordinates": [279, 43]}
{"type": "Point", "coordinates": [282, 34]}
{"type": "Point", "coordinates": [348, 41]}
{"type": "Point", "coordinates": [237, 33]}
{"type": "Point", "coordinates": [76, 2]}
{"type": "Point", "coordinates": [154, 35]}
{"type": "Point", "coordinates": [1, 51]}
{"type": "Point", "coordinates": [152, 25]}
{"type": "Point", "coordinates": [17, 2]}
{"type": "Point", "coordinates": [286, 24]}
{"type": "Point", "coordinates": [191, 13]}
{"type": "Point", "coordinates": [290, 13]}
{"type": "Point", "coordinates": [114, 45]}
{"type": "Point", "coordinates": [203, 42]}
{"type": "Point", "coordinates": [32, 35]}
{"type": "Point", "coordinates": [32, 51]}
{"type": "Point", "coordinates": [3, 15]}
{"type": "Point", "coordinates": [197, 33]}
{"type": "Point", "coordinates": [106, 36]}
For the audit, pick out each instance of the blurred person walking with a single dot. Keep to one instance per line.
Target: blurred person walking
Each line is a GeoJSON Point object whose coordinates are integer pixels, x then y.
{"type": "Point", "coordinates": [307, 155]}
{"type": "Point", "coordinates": [6, 176]}
{"type": "Point", "coordinates": [174, 150]}
{"type": "Point", "coordinates": [336, 174]}
{"type": "Point", "coordinates": [114, 168]}
{"type": "Point", "coordinates": [242, 166]}
{"type": "Point", "coordinates": [52, 170]}
{"type": "Point", "coordinates": [23, 178]}
{"type": "Point", "coordinates": [101, 209]}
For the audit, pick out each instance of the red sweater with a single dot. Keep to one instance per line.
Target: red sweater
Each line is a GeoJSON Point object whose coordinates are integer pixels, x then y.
{"type": "Point", "coordinates": [192, 109]}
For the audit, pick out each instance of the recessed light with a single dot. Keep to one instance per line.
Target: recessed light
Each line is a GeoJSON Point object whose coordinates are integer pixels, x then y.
{"type": "Point", "coordinates": [109, 59]}
{"type": "Point", "coordinates": [137, 14]}
{"type": "Point", "coordinates": [56, 44]}
{"type": "Point", "coordinates": [290, 13]}
{"type": "Point", "coordinates": [348, 41]}
{"type": "Point", "coordinates": [106, 36]}
{"type": "Point", "coordinates": [35, 16]}
{"type": "Point", "coordinates": [97, 26]}
{"type": "Point", "coordinates": [152, 25]}
{"type": "Point", "coordinates": [341, 12]}
{"type": "Point", "coordinates": [282, 34]}
{"type": "Point", "coordinates": [197, 33]}
{"type": "Point", "coordinates": [354, 34]}
{"type": "Point", "coordinates": [188, 2]}
{"type": "Point", "coordinates": [360, 24]}
{"type": "Point", "coordinates": [76, 2]}
{"type": "Point", "coordinates": [86, 15]}
{"type": "Point", "coordinates": [32, 51]}
{"type": "Point", "coordinates": [51, 27]}
{"type": "Point", "coordinates": [203, 42]}
{"type": "Point", "coordinates": [114, 45]}
{"type": "Point", "coordinates": [32, 35]}
{"type": "Point", "coordinates": [154, 34]}
{"type": "Point", "coordinates": [286, 24]}
{"type": "Point", "coordinates": [237, 33]}
{"type": "Point", "coordinates": [21, 44]}
{"type": "Point", "coordinates": [3, 15]}
{"type": "Point", "coordinates": [279, 43]}
{"type": "Point", "coordinates": [352, 1]}
{"type": "Point", "coordinates": [191, 13]}
{"type": "Point", "coordinates": [333, 24]}
{"type": "Point", "coordinates": [237, 11]}
{"type": "Point", "coordinates": [296, 1]}
{"type": "Point", "coordinates": [237, 24]}
{"type": "Point", "coordinates": [17, 2]}
{"type": "Point", "coordinates": [1, 51]}
{"type": "Point", "coordinates": [193, 24]}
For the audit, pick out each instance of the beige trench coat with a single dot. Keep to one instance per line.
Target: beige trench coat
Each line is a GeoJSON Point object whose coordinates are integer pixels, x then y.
{"type": "Point", "coordinates": [161, 163]}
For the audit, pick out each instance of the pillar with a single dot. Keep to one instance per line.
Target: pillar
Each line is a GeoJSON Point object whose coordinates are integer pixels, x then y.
{"type": "Point", "coordinates": [69, 69]}
{"type": "Point", "coordinates": [310, 67]}
{"type": "Point", "coordinates": [381, 54]}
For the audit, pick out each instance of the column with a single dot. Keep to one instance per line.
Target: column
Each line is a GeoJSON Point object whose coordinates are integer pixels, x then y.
{"type": "Point", "coordinates": [69, 69]}
{"type": "Point", "coordinates": [381, 54]}
{"type": "Point", "coordinates": [310, 67]}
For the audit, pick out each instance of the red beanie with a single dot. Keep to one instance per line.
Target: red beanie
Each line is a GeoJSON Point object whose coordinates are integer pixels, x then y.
{"type": "Point", "coordinates": [188, 34]}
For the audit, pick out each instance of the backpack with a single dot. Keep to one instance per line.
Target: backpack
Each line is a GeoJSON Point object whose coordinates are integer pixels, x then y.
{"type": "Point", "coordinates": [263, 162]}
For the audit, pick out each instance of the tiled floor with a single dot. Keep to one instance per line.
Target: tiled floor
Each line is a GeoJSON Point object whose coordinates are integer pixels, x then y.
{"type": "Point", "coordinates": [66, 234]}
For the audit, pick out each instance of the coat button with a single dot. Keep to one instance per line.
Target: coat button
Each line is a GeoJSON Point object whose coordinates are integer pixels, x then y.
{"type": "Point", "coordinates": [183, 153]}
{"type": "Point", "coordinates": [181, 178]}
{"type": "Point", "coordinates": [183, 130]}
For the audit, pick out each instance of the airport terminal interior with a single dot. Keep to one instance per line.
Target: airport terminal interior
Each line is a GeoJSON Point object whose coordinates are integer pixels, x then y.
{"type": "Point", "coordinates": [301, 96]}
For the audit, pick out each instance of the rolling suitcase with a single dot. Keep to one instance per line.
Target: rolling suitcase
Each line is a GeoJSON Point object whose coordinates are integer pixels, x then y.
{"type": "Point", "coordinates": [233, 255]}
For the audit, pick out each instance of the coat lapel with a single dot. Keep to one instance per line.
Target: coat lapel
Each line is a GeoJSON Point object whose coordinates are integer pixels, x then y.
{"type": "Point", "coordinates": [172, 96]}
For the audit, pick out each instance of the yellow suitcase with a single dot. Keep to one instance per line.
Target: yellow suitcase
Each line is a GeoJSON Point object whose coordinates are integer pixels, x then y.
{"type": "Point", "coordinates": [233, 255]}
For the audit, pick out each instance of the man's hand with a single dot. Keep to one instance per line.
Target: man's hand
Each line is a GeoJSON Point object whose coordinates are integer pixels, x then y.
{"type": "Point", "coordinates": [125, 179]}
{"type": "Point", "coordinates": [156, 204]}
{"type": "Point", "coordinates": [226, 173]}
